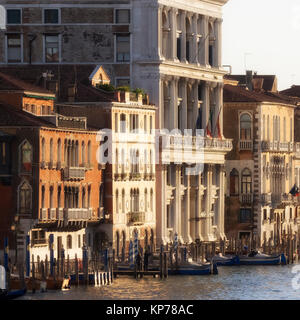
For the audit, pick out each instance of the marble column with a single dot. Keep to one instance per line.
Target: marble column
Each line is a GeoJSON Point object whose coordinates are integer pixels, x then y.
{"type": "Point", "coordinates": [204, 43]}
{"type": "Point", "coordinates": [205, 105]}
{"type": "Point", "coordinates": [218, 43]}
{"type": "Point", "coordinates": [173, 26]}
{"type": "Point", "coordinates": [195, 50]}
{"type": "Point", "coordinates": [183, 36]}
{"type": "Point", "coordinates": [173, 116]}
{"type": "Point", "coordinates": [183, 90]}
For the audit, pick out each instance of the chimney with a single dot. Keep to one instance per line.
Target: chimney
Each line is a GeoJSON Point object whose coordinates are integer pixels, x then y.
{"type": "Point", "coordinates": [249, 78]}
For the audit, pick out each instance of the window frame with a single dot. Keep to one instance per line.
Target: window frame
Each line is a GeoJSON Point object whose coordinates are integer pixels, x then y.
{"type": "Point", "coordinates": [251, 127]}
{"type": "Point", "coordinates": [122, 35]}
{"type": "Point", "coordinates": [15, 9]}
{"type": "Point", "coordinates": [45, 47]}
{"type": "Point", "coordinates": [116, 16]}
{"type": "Point", "coordinates": [7, 47]}
{"type": "Point", "coordinates": [58, 16]}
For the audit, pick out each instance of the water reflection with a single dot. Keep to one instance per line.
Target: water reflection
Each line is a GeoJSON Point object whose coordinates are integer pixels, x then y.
{"type": "Point", "coordinates": [232, 283]}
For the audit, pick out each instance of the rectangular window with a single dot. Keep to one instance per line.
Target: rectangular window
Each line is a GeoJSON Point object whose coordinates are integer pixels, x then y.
{"type": "Point", "coordinates": [52, 48]}
{"type": "Point", "coordinates": [123, 48]}
{"type": "Point", "coordinates": [14, 48]}
{"type": "Point", "coordinates": [13, 16]}
{"type": "Point", "coordinates": [245, 215]}
{"type": "Point", "coordinates": [51, 16]}
{"type": "Point", "coordinates": [123, 16]}
{"type": "Point", "coordinates": [179, 49]}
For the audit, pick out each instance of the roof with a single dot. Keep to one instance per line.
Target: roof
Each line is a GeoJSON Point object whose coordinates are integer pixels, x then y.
{"type": "Point", "coordinates": [65, 75]}
{"type": "Point", "coordinates": [11, 116]}
{"type": "Point", "coordinates": [269, 81]}
{"type": "Point", "coordinates": [293, 91]}
{"type": "Point", "coordinates": [8, 82]}
{"type": "Point", "coordinates": [240, 94]}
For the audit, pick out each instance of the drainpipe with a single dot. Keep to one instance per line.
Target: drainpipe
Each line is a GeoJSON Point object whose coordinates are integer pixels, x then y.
{"type": "Point", "coordinates": [31, 37]}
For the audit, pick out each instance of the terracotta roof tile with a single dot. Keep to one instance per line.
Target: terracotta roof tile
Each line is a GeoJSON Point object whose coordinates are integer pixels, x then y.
{"type": "Point", "coordinates": [239, 94]}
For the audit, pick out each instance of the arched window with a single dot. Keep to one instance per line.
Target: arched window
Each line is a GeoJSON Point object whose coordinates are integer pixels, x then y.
{"type": "Point", "coordinates": [245, 127]}
{"type": "Point", "coordinates": [234, 182]}
{"type": "Point", "coordinates": [146, 200]}
{"type": "Point", "coordinates": [25, 198]}
{"type": "Point", "coordinates": [101, 195]}
{"type": "Point", "coordinates": [145, 123]}
{"type": "Point", "coordinates": [83, 198]}
{"type": "Point", "coordinates": [89, 155]}
{"type": "Point", "coordinates": [123, 200]}
{"type": "Point", "coordinates": [116, 122]}
{"type": "Point", "coordinates": [118, 244]}
{"type": "Point", "coordinates": [59, 197]}
{"type": "Point", "coordinates": [122, 123]}
{"type": "Point", "coordinates": [83, 153]}
{"type": "Point", "coordinates": [151, 200]}
{"type": "Point", "coordinates": [117, 201]}
{"type": "Point", "coordinates": [51, 197]}
{"type": "Point", "coordinates": [246, 181]}
{"type": "Point", "coordinates": [43, 197]}
{"type": "Point", "coordinates": [69, 242]}
{"type": "Point", "coordinates": [59, 151]}
{"type": "Point", "coordinates": [25, 157]}
{"type": "Point", "coordinates": [51, 152]}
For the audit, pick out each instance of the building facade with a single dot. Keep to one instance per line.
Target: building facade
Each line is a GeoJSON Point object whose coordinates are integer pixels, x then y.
{"type": "Point", "coordinates": [52, 180]}
{"type": "Point", "coordinates": [177, 61]}
{"type": "Point", "coordinates": [260, 169]}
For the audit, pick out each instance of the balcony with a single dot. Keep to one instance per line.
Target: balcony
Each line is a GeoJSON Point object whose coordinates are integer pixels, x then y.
{"type": "Point", "coordinates": [246, 145]}
{"type": "Point", "coordinates": [246, 198]}
{"type": "Point", "coordinates": [297, 150]}
{"type": "Point", "coordinates": [74, 173]}
{"type": "Point", "coordinates": [284, 198]}
{"type": "Point", "coordinates": [135, 218]}
{"type": "Point", "coordinates": [266, 198]}
{"type": "Point", "coordinates": [51, 214]}
{"type": "Point", "coordinates": [78, 214]}
{"type": "Point", "coordinates": [274, 146]}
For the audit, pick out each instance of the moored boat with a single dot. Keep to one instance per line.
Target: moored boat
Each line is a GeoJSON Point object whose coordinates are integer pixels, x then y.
{"type": "Point", "coordinates": [12, 294]}
{"type": "Point", "coordinates": [258, 258]}
{"type": "Point", "coordinates": [221, 260]}
{"type": "Point", "coordinates": [193, 269]}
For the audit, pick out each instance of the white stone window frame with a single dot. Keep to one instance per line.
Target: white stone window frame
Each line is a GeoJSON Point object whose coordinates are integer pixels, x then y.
{"type": "Point", "coordinates": [18, 196]}
{"type": "Point", "coordinates": [14, 24]}
{"type": "Point", "coordinates": [20, 158]}
{"type": "Point", "coordinates": [115, 47]}
{"type": "Point", "coordinates": [122, 23]}
{"type": "Point", "coordinates": [49, 23]}
{"type": "Point", "coordinates": [250, 113]}
{"type": "Point", "coordinates": [6, 48]}
{"type": "Point", "coordinates": [59, 47]}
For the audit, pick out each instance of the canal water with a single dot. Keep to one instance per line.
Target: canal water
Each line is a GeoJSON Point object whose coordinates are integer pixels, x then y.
{"type": "Point", "coordinates": [232, 283]}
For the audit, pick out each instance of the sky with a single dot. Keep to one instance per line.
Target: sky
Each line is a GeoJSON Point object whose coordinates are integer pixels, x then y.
{"type": "Point", "coordinates": [263, 36]}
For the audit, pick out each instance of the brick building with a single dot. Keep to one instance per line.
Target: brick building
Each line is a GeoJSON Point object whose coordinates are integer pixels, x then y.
{"type": "Point", "coordinates": [50, 176]}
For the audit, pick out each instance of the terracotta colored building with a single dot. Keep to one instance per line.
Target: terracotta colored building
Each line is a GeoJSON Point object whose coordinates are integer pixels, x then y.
{"type": "Point", "coordinates": [49, 175]}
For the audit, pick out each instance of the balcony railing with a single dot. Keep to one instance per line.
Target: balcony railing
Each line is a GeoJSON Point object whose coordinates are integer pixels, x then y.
{"type": "Point", "coordinates": [78, 214]}
{"type": "Point", "coordinates": [246, 198]}
{"type": "Point", "coordinates": [74, 173]}
{"type": "Point", "coordinates": [282, 198]}
{"type": "Point", "coordinates": [266, 198]}
{"type": "Point", "coordinates": [136, 218]}
{"type": "Point", "coordinates": [246, 145]}
{"type": "Point", "coordinates": [274, 146]}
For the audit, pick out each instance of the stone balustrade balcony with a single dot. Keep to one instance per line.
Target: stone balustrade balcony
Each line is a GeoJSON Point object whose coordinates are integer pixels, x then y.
{"type": "Point", "coordinates": [246, 145]}
{"type": "Point", "coordinates": [74, 173]}
{"type": "Point", "coordinates": [276, 146]}
{"type": "Point", "coordinates": [135, 218]}
{"type": "Point", "coordinates": [246, 198]}
{"type": "Point", "coordinates": [266, 198]}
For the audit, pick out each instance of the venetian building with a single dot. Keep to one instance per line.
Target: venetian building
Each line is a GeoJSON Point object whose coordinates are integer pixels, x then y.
{"type": "Point", "coordinates": [260, 169]}
{"type": "Point", "coordinates": [178, 61]}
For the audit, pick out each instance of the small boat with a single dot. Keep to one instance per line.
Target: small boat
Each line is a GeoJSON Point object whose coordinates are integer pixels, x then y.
{"type": "Point", "coordinates": [8, 294]}
{"type": "Point", "coordinates": [13, 294]}
{"type": "Point", "coordinates": [193, 269]}
{"type": "Point", "coordinates": [221, 260]}
{"type": "Point", "coordinates": [258, 258]}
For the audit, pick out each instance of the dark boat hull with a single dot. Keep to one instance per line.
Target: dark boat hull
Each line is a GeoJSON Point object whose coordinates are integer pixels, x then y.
{"type": "Point", "coordinates": [10, 295]}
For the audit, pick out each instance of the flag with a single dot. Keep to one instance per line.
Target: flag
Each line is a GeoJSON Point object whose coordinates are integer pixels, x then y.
{"type": "Point", "coordinates": [209, 124]}
{"type": "Point", "coordinates": [295, 191]}
{"type": "Point", "coordinates": [219, 128]}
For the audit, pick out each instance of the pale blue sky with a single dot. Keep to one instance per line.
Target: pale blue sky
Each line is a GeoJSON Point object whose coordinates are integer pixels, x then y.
{"type": "Point", "coordinates": [264, 36]}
